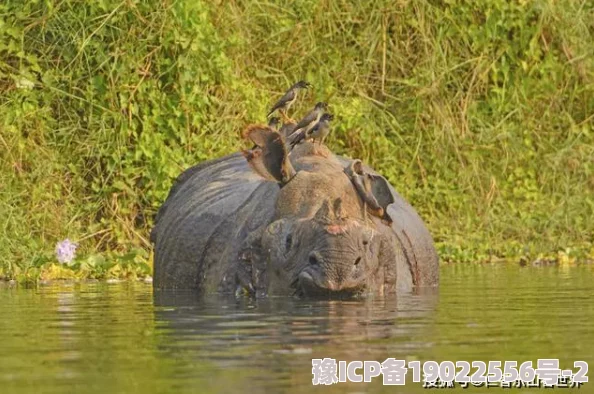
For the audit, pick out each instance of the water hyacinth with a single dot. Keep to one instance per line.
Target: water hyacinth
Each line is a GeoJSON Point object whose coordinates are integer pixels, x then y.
{"type": "Point", "coordinates": [66, 251]}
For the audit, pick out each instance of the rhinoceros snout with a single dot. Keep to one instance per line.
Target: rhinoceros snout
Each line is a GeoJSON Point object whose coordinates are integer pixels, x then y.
{"type": "Point", "coordinates": [332, 275]}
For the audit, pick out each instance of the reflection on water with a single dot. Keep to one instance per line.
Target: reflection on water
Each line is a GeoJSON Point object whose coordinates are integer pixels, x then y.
{"type": "Point", "coordinates": [124, 338]}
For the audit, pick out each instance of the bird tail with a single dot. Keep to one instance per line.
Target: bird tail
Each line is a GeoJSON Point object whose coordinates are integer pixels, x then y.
{"type": "Point", "coordinates": [296, 138]}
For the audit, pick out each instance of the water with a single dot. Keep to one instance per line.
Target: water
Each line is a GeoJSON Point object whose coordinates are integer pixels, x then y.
{"type": "Point", "coordinates": [119, 338]}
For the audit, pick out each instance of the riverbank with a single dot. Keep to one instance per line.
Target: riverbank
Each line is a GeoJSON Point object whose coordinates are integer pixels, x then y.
{"type": "Point", "coordinates": [109, 266]}
{"type": "Point", "coordinates": [141, 271]}
{"type": "Point", "coordinates": [4, 283]}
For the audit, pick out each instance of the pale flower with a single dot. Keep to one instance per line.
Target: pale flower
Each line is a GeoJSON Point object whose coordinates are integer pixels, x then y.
{"type": "Point", "coordinates": [66, 251]}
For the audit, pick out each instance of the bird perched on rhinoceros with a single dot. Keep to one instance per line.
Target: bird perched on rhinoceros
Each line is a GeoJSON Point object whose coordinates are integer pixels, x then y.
{"type": "Point", "coordinates": [307, 122]}
{"type": "Point", "coordinates": [307, 224]}
{"type": "Point", "coordinates": [288, 99]}
{"type": "Point", "coordinates": [321, 129]}
{"type": "Point", "coordinates": [318, 132]}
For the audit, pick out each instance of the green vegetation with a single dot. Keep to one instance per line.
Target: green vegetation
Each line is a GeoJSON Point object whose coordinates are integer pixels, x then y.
{"type": "Point", "coordinates": [480, 112]}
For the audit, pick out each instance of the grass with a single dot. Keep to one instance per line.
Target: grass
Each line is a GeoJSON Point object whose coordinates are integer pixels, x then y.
{"type": "Point", "coordinates": [481, 113]}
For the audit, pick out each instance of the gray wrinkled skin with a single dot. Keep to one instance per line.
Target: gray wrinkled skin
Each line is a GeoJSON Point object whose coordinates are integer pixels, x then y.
{"type": "Point", "coordinates": [224, 228]}
{"type": "Point", "coordinates": [315, 262]}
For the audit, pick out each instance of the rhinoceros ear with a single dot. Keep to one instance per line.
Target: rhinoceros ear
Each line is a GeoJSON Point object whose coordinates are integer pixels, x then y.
{"type": "Point", "coordinates": [269, 158]}
{"type": "Point", "coordinates": [380, 189]}
{"type": "Point", "coordinates": [374, 190]}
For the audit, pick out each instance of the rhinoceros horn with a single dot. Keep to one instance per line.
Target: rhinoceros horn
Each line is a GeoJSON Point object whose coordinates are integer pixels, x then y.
{"type": "Point", "coordinates": [331, 214]}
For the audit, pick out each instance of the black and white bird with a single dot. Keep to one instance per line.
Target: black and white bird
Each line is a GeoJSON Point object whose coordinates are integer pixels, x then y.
{"type": "Point", "coordinates": [321, 130]}
{"type": "Point", "coordinates": [284, 103]}
{"type": "Point", "coordinates": [308, 121]}
{"type": "Point", "coordinates": [318, 132]}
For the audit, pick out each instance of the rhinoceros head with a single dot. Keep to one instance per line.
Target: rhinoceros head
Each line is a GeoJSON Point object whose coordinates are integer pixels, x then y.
{"type": "Point", "coordinates": [321, 240]}
{"type": "Point", "coordinates": [322, 255]}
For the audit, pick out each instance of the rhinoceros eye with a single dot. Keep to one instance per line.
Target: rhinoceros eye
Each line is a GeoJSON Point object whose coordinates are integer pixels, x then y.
{"type": "Point", "coordinates": [288, 242]}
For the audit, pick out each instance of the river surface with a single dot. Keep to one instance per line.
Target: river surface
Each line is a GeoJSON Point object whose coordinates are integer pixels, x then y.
{"type": "Point", "coordinates": [122, 338]}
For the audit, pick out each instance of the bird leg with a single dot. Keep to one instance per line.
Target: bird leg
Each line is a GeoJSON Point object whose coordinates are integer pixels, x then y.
{"type": "Point", "coordinates": [286, 118]}
{"type": "Point", "coordinates": [316, 148]}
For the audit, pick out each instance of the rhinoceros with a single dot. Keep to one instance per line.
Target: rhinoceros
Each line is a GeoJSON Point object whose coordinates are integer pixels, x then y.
{"type": "Point", "coordinates": [304, 223]}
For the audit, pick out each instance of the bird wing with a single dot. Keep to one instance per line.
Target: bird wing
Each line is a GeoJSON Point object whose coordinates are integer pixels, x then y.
{"type": "Point", "coordinates": [302, 134]}
{"type": "Point", "coordinates": [289, 96]}
{"type": "Point", "coordinates": [307, 119]}
{"type": "Point", "coordinates": [316, 127]}
{"type": "Point", "coordinates": [297, 137]}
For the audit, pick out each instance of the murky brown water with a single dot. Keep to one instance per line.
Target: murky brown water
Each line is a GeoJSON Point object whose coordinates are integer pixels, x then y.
{"type": "Point", "coordinates": [121, 338]}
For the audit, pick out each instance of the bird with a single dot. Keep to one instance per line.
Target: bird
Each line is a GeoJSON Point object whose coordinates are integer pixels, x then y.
{"type": "Point", "coordinates": [321, 130]}
{"type": "Point", "coordinates": [284, 103]}
{"type": "Point", "coordinates": [274, 122]}
{"type": "Point", "coordinates": [318, 132]}
{"type": "Point", "coordinates": [307, 122]}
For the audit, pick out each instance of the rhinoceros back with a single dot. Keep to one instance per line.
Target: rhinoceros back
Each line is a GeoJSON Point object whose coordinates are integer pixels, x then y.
{"type": "Point", "coordinates": [210, 211]}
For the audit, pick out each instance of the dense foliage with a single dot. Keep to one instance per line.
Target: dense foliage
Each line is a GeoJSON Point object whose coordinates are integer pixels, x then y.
{"type": "Point", "coordinates": [480, 112]}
